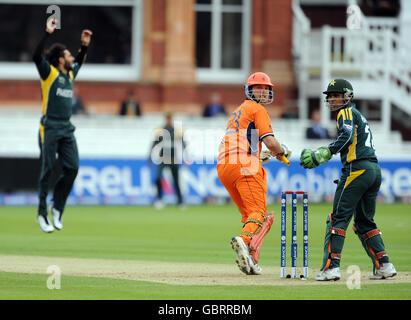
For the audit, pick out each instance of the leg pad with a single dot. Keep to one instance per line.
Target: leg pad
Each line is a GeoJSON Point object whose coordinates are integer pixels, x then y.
{"type": "Point", "coordinates": [258, 238]}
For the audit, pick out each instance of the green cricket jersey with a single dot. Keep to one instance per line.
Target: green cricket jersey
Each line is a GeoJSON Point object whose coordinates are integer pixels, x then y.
{"type": "Point", "coordinates": [56, 86]}
{"type": "Point", "coordinates": [57, 90]}
{"type": "Point", "coordinates": [354, 140]}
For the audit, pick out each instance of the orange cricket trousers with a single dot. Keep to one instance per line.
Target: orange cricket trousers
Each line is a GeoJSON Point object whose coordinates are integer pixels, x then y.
{"type": "Point", "coordinates": [249, 192]}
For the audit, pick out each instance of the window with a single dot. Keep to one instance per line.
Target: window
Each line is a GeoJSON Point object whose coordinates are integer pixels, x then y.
{"type": "Point", "coordinates": [115, 50]}
{"type": "Point", "coordinates": [223, 31]}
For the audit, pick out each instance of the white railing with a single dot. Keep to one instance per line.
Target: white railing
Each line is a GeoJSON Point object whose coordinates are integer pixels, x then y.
{"type": "Point", "coordinates": [374, 57]}
{"type": "Point", "coordinates": [380, 23]}
{"type": "Point", "coordinates": [300, 47]}
{"type": "Point", "coordinates": [301, 30]}
{"type": "Point", "coordinates": [378, 58]}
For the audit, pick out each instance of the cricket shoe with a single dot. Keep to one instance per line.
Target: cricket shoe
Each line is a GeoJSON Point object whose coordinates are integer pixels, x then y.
{"type": "Point", "coordinates": [244, 261]}
{"type": "Point", "coordinates": [44, 223]}
{"type": "Point", "coordinates": [329, 274]}
{"type": "Point", "coordinates": [385, 271]}
{"type": "Point", "coordinates": [57, 218]}
{"type": "Point", "coordinates": [256, 269]}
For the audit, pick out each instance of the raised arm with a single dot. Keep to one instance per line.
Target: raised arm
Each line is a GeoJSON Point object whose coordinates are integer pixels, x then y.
{"type": "Point", "coordinates": [38, 52]}
{"type": "Point", "coordinates": [85, 41]}
{"type": "Point", "coordinates": [42, 65]}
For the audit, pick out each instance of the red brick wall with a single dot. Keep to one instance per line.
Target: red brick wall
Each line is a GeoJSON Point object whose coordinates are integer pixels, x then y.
{"type": "Point", "coordinates": [271, 41]}
{"type": "Point", "coordinates": [278, 25]}
{"type": "Point", "coordinates": [158, 27]}
{"type": "Point", "coordinates": [272, 31]}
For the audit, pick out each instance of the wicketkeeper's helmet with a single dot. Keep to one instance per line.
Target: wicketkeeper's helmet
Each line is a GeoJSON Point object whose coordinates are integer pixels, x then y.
{"type": "Point", "coordinates": [339, 86]}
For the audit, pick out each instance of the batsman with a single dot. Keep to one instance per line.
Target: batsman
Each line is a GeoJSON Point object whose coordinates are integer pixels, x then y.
{"type": "Point", "coordinates": [241, 172]}
{"type": "Point", "coordinates": [57, 71]}
{"type": "Point", "coordinates": [357, 188]}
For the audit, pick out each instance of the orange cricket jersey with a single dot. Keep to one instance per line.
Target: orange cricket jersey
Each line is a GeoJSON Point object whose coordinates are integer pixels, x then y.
{"type": "Point", "coordinates": [246, 128]}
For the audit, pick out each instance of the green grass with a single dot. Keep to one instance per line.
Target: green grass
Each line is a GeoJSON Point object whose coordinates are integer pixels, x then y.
{"type": "Point", "coordinates": [24, 286]}
{"type": "Point", "coordinates": [200, 234]}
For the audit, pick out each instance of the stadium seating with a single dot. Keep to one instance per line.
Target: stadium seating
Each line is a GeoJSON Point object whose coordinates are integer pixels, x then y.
{"type": "Point", "coordinates": [128, 138]}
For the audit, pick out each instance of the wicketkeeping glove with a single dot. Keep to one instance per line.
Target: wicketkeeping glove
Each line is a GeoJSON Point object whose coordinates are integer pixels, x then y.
{"type": "Point", "coordinates": [310, 159]}
{"type": "Point", "coordinates": [305, 159]}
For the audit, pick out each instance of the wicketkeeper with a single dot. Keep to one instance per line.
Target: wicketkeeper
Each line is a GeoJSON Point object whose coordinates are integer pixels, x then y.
{"type": "Point", "coordinates": [56, 135]}
{"type": "Point", "coordinates": [357, 189]}
{"type": "Point", "coordinates": [241, 172]}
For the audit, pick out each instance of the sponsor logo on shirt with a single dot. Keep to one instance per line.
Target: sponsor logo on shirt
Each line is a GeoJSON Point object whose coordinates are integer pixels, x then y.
{"type": "Point", "coordinates": [347, 127]}
{"type": "Point", "coordinates": [66, 93]}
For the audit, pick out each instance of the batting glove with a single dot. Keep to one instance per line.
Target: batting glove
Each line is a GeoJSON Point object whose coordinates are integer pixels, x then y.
{"type": "Point", "coordinates": [265, 156]}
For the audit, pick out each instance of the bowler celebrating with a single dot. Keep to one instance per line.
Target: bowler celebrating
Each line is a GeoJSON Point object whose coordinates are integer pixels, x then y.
{"type": "Point", "coordinates": [57, 72]}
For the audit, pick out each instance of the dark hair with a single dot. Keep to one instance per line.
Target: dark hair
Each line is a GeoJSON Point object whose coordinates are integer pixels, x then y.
{"type": "Point", "coordinates": [54, 53]}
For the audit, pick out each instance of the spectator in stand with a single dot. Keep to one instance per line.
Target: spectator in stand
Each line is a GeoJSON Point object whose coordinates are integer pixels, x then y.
{"type": "Point", "coordinates": [130, 107]}
{"type": "Point", "coordinates": [215, 107]}
{"type": "Point", "coordinates": [316, 131]}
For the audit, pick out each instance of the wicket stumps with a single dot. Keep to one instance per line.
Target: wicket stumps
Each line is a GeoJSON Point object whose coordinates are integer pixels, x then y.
{"type": "Point", "coordinates": [294, 233]}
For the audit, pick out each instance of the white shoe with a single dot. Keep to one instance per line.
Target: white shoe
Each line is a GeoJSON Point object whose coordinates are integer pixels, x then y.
{"type": "Point", "coordinates": [256, 269]}
{"type": "Point", "coordinates": [329, 274]}
{"type": "Point", "coordinates": [244, 261]}
{"type": "Point", "coordinates": [57, 219]}
{"type": "Point", "coordinates": [182, 207]}
{"type": "Point", "coordinates": [45, 224]}
{"type": "Point", "coordinates": [386, 270]}
{"type": "Point", "coordinates": [159, 205]}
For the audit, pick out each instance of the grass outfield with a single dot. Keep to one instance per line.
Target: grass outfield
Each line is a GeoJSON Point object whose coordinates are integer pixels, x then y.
{"type": "Point", "coordinates": [25, 286]}
{"type": "Point", "coordinates": [162, 247]}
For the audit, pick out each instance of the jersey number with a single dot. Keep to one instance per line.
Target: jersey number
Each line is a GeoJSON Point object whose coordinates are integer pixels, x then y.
{"type": "Point", "coordinates": [368, 142]}
{"type": "Point", "coordinates": [233, 123]}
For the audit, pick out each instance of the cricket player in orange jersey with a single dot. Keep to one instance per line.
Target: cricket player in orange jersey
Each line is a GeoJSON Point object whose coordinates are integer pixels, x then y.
{"type": "Point", "coordinates": [241, 172]}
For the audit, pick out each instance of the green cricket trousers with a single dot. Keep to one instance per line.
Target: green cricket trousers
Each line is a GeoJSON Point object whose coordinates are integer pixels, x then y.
{"type": "Point", "coordinates": [175, 173]}
{"type": "Point", "coordinates": [56, 138]}
{"type": "Point", "coordinates": [356, 195]}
